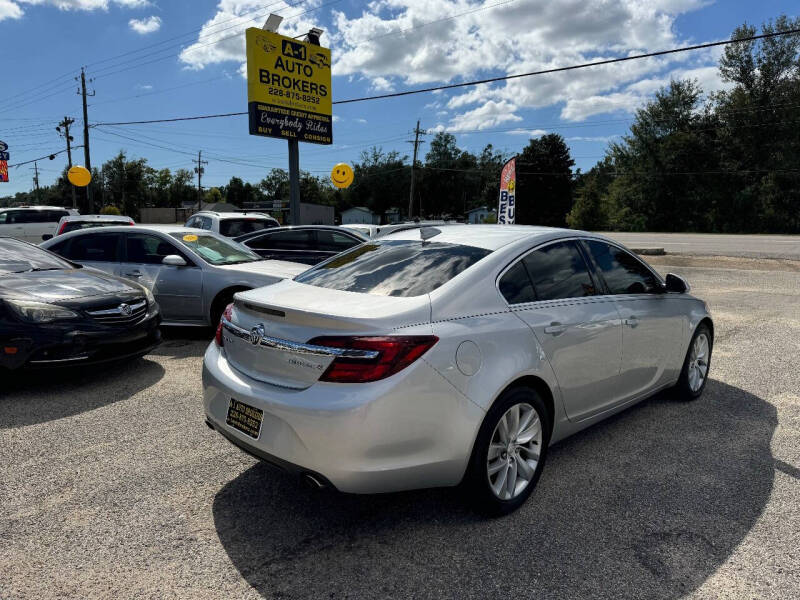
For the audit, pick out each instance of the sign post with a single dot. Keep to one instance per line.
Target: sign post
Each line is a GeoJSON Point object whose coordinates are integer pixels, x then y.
{"type": "Point", "coordinates": [506, 208]}
{"type": "Point", "coordinates": [289, 96]}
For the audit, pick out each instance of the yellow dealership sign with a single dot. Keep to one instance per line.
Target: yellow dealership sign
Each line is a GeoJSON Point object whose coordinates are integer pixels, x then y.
{"type": "Point", "coordinates": [288, 88]}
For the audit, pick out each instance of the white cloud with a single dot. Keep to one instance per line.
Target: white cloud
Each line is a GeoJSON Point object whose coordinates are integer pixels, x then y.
{"type": "Point", "coordinates": [13, 9]}
{"type": "Point", "coordinates": [9, 10]}
{"type": "Point", "coordinates": [534, 134]}
{"type": "Point", "coordinates": [382, 84]}
{"type": "Point", "coordinates": [144, 26]}
{"type": "Point", "coordinates": [142, 86]}
{"type": "Point", "coordinates": [362, 121]}
{"type": "Point", "coordinates": [487, 116]}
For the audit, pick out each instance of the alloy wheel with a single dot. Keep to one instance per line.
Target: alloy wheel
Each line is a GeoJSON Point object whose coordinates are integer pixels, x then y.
{"type": "Point", "coordinates": [514, 451]}
{"type": "Point", "coordinates": [698, 362]}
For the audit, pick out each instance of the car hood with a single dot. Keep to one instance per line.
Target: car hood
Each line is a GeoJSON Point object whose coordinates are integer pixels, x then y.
{"type": "Point", "coordinates": [66, 284]}
{"type": "Point", "coordinates": [276, 268]}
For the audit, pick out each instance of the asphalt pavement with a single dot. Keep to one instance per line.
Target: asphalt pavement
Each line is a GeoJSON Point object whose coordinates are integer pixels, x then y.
{"type": "Point", "coordinates": [713, 244]}
{"type": "Point", "coordinates": [111, 486]}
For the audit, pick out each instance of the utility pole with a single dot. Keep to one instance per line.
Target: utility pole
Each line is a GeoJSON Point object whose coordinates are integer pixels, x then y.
{"type": "Point", "coordinates": [36, 182]}
{"type": "Point", "coordinates": [199, 170]}
{"type": "Point", "coordinates": [86, 156]}
{"type": "Point", "coordinates": [65, 124]}
{"type": "Point", "coordinates": [416, 142]}
{"type": "Point", "coordinates": [294, 182]}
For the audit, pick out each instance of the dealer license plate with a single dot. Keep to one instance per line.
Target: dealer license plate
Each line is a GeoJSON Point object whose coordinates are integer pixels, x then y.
{"type": "Point", "coordinates": [245, 418]}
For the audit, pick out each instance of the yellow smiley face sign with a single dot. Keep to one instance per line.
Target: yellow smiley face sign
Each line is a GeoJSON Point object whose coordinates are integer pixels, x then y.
{"type": "Point", "coordinates": [79, 176]}
{"type": "Point", "coordinates": [342, 175]}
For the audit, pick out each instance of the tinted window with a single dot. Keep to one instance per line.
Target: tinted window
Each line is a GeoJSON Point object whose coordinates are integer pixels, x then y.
{"type": "Point", "coordinates": [22, 216]}
{"type": "Point", "coordinates": [18, 257]}
{"type": "Point", "coordinates": [622, 272]}
{"type": "Point", "coordinates": [288, 239]}
{"type": "Point", "coordinates": [75, 225]}
{"type": "Point", "coordinates": [559, 271]}
{"type": "Point", "coordinates": [394, 268]}
{"type": "Point", "coordinates": [334, 241]}
{"type": "Point", "coordinates": [236, 227]}
{"type": "Point", "coordinates": [52, 216]}
{"type": "Point", "coordinates": [515, 285]}
{"type": "Point", "coordinates": [101, 248]}
{"type": "Point", "coordinates": [205, 223]}
{"type": "Point", "coordinates": [148, 249]}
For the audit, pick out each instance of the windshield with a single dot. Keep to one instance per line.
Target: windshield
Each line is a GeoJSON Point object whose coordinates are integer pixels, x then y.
{"type": "Point", "coordinates": [19, 257]}
{"type": "Point", "coordinates": [237, 227]}
{"type": "Point", "coordinates": [393, 268]}
{"type": "Point", "coordinates": [214, 250]}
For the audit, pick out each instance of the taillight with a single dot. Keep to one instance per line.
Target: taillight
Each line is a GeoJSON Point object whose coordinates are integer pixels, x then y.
{"type": "Point", "coordinates": [61, 229]}
{"type": "Point", "coordinates": [395, 353]}
{"type": "Point", "coordinates": [226, 314]}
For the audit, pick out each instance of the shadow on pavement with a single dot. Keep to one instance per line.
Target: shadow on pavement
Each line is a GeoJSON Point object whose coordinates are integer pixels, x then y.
{"type": "Point", "coordinates": [31, 397]}
{"type": "Point", "coordinates": [647, 504]}
{"type": "Point", "coordinates": [184, 342]}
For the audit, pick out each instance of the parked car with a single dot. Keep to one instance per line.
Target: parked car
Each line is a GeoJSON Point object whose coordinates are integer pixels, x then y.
{"type": "Point", "coordinates": [30, 223]}
{"type": "Point", "coordinates": [367, 231]}
{"type": "Point", "coordinates": [308, 244]}
{"type": "Point", "coordinates": [231, 224]}
{"type": "Point", "coordinates": [192, 273]}
{"type": "Point", "coordinates": [437, 355]}
{"type": "Point", "coordinates": [54, 313]}
{"type": "Point", "coordinates": [75, 222]}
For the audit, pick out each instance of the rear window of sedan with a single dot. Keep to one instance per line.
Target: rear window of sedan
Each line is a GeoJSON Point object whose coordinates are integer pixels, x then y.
{"type": "Point", "coordinates": [394, 268]}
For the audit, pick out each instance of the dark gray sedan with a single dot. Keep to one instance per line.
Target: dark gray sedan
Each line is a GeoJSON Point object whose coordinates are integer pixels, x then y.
{"type": "Point", "coordinates": [193, 273]}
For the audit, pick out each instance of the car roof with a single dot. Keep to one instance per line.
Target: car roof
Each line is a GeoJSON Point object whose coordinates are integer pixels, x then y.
{"type": "Point", "coordinates": [489, 237]}
{"type": "Point", "coordinates": [120, 218]}
{"type": "Point", "coordinates": [33, 208]}
{"type": "Point", "coordinates": [232, 215]}
{"type": "Point", "coordinates": [167, 229]}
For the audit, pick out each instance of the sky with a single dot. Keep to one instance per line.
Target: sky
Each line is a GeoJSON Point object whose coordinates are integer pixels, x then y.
{"type": "Point", "coordinates": [154, 59]}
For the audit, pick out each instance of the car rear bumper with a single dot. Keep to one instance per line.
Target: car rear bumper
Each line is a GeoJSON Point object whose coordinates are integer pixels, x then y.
{"type": "Point", "coordinates": [51, 347]}
{"type": "Point", "coordinates": [411, 430]}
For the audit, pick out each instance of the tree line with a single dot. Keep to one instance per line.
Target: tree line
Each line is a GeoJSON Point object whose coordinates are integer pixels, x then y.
{"type": "Point", "coordinates": [727, 161]}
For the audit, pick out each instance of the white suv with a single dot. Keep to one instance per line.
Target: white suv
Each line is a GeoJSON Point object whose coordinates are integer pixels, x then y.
{"type": "Point", "coordinates": [231, 224]}
{"type": "Point", "coordinates": [31, 223]}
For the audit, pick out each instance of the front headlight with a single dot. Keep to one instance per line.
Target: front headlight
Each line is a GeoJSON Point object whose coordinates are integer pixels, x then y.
{"type": "Point", "coordinates": [40, 312]}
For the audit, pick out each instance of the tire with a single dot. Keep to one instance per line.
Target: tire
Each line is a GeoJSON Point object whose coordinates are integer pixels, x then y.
{"type": "Point", "coordinates": [696, 365]}
{"type": "Point", "coordinates": [219, 304]}
{"type": "Point", "coordinates": [486, 476]}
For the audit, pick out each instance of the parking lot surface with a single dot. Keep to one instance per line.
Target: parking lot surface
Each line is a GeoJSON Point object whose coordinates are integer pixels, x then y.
{"type": "Point", "coordinates": [111, 486]}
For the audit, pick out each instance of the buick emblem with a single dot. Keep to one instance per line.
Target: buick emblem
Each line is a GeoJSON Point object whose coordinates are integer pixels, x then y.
{"type": "Point", "coordinates": [257, 333]}
{"type": "Point", "coordinates": [124, 309]}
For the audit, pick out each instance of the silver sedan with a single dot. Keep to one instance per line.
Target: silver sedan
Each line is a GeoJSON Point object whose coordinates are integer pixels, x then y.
{"type": "Point", "coordinates": [447, 354]}
{"type": "Point", "coordinates": [193, 273]}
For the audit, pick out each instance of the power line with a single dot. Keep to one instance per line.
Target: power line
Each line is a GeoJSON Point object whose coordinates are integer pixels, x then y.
{"type": "Point", "coordinates": [27, 162]}
{"type": "Point", "coordinates": [490, 80]}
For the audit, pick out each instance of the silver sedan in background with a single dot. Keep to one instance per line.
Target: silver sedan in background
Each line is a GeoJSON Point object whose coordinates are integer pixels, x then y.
{"type": "Point", "coordinates": [193, 273]}
{"type": "Point", "coordinates": [450, 353]}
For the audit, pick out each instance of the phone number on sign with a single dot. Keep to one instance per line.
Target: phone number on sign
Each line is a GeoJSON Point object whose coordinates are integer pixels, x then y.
{"type": "Point", "coordinates": [293, 95]}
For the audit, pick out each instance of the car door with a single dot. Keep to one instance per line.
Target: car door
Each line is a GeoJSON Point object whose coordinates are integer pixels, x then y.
{"type": "Point", "coordinates": [653, 321]}
{"type": "Point", "coordinates": [178, 290]}
{"type": "Point", "coordinates": [17, 224]}
{"type": "Point", "coordinates": [8, 228]}
{"type": "Point", "coordinates": [296, 245]}
{"type": "Point", "coordinates": [579, 329]}
{"type": "Point", "coordinates": [96, 250]}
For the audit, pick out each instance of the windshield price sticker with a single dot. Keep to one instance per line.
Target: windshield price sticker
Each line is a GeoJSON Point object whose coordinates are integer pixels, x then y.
{"type": "Point", "coordinates": [190, 237]}
{"type": "Point", "coordinates": [288, 88]}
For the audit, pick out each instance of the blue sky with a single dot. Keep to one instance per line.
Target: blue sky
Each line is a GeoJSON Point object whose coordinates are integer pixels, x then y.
{"type": "Point", "coordinates": [155, 59]}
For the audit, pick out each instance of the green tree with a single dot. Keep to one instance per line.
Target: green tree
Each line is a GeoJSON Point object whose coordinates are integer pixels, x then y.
{"type": "Point", "coordinates": [544, 182]}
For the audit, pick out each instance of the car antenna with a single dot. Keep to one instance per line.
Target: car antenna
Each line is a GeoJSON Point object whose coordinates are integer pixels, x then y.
{"type": "Point", "coordinates": [426, 233]}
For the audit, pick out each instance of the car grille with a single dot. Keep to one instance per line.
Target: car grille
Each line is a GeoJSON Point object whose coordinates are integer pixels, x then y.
{"type": "Point", "coordinates": [121, 314]}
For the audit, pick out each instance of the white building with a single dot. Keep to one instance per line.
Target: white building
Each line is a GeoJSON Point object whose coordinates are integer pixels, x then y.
{"type": "Point", "coordinates": [361, 215]}
{"type": "Point", "coordinates": [480, 214]}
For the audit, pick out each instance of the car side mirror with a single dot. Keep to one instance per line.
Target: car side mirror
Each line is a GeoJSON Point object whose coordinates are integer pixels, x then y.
{"type": "Point", "coordinates": [173, 260]}
{"type": "Point", "coordinates": [676, 283]}
{"type": "Point", "coordinates": [47, 236]}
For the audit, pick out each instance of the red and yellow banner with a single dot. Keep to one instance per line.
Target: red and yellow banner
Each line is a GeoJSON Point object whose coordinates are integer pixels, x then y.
{"type": "Point", "coordinates": [3, 171]}
{"type": "Point", "coordinates": [506, 209]}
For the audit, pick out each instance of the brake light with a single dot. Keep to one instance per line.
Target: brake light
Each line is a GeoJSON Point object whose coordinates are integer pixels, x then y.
{"type": "Point", "coordinates": [395, 353]}
{"type": "Point", "coordinates": [61, 229]}
{"type": "Point", "coordinates": [226, 314]}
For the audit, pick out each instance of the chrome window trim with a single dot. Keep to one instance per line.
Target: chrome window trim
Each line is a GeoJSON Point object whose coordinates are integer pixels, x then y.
{"type": "Point", "coordinates": [298, 347]}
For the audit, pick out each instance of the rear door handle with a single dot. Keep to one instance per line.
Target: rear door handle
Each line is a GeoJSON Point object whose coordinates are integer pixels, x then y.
{"type": "Point", "coordinates": [633, 321]}
{"type": "Point", "coordinates": [555, 328]}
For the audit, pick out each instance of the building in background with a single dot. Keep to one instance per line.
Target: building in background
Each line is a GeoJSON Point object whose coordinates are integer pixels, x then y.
{"type": "Point", "coordinates": [360, 215]}
{"type": "Point", "coordinates": [480, 215]}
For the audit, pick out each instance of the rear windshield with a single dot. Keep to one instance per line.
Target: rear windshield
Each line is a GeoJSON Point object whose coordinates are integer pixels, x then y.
{"type": "Point", "coordinates": [237, 227]}
{"type": "Point", "coordinates": [19, 257]}
{"type": "Point", "coordinates": [393, 268]}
